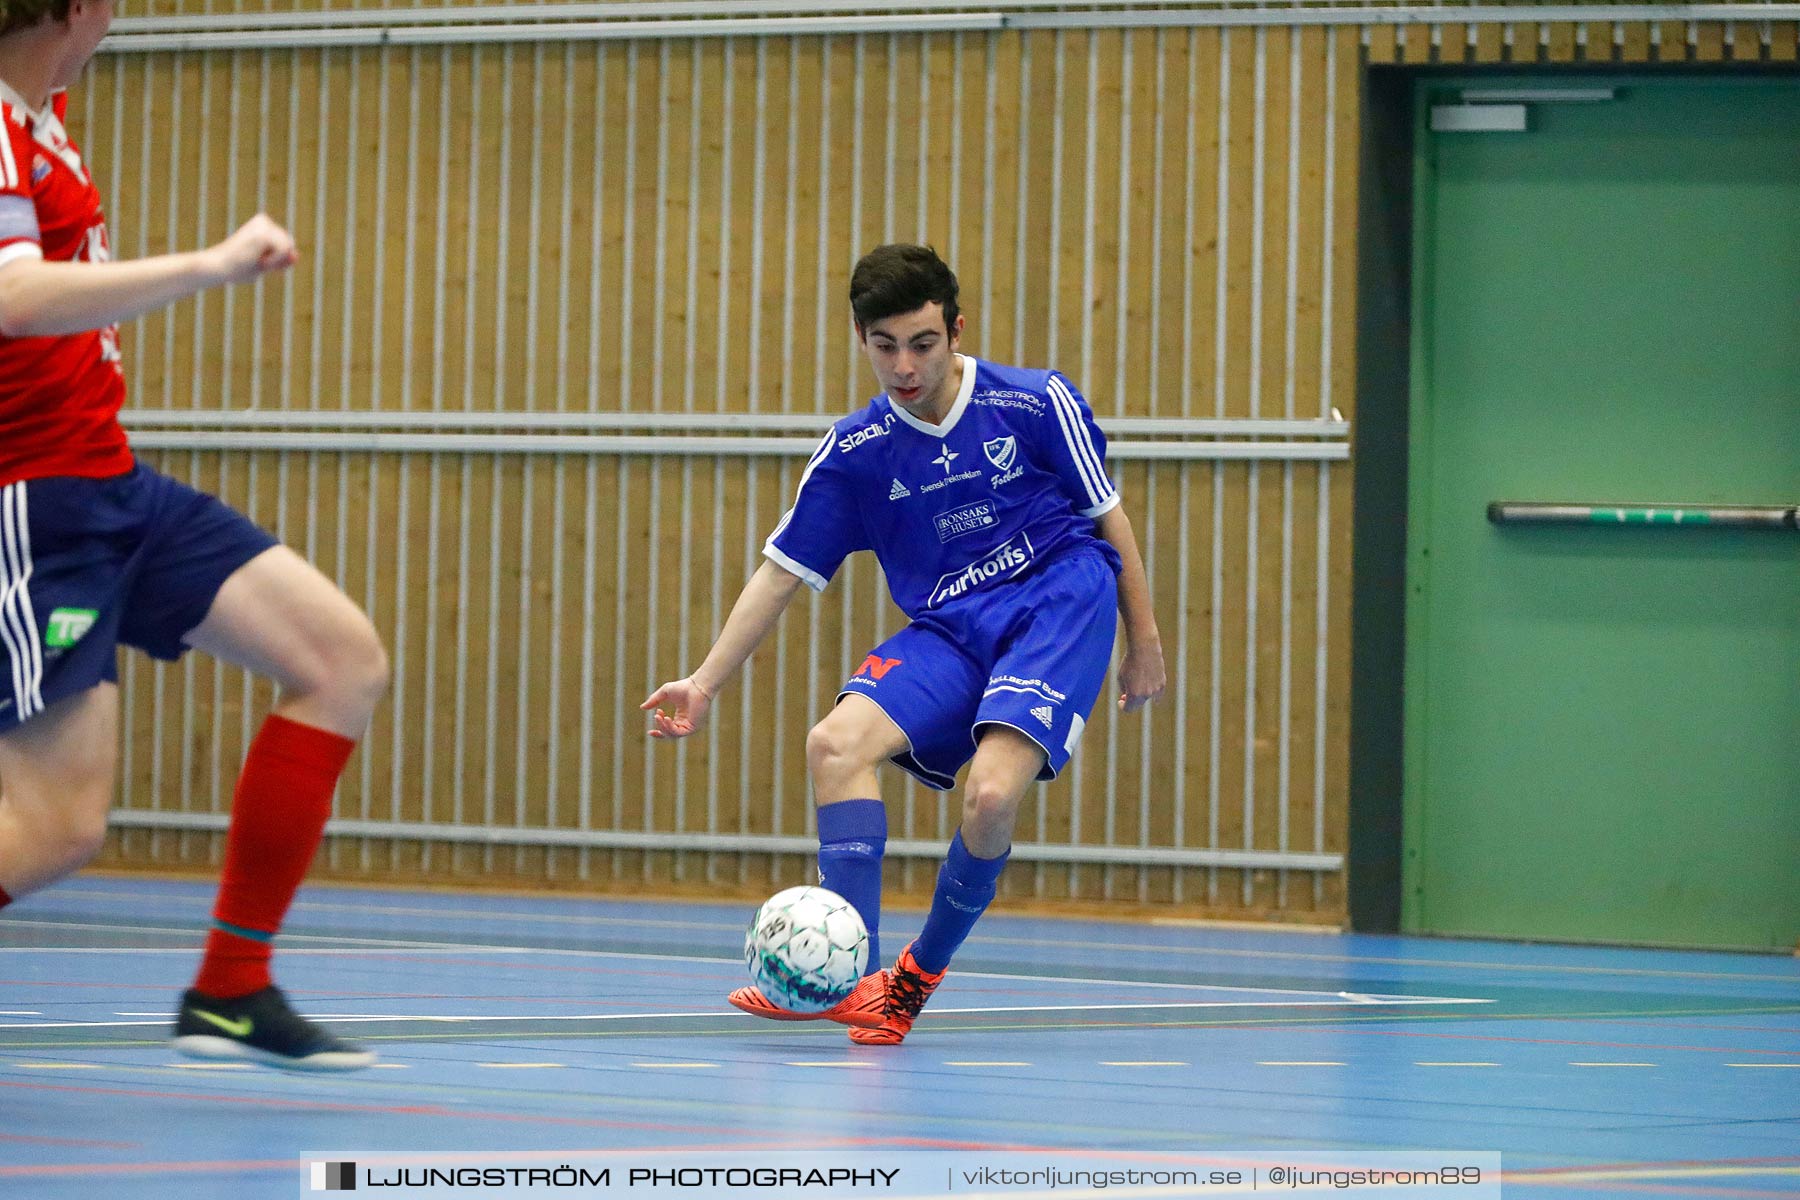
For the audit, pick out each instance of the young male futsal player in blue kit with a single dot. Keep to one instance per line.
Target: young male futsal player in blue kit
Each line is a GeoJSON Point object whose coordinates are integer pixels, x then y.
{"type": "Point", "coordinates": [983, 492]}
{"type": "Point", "coordinates": [97, 550]}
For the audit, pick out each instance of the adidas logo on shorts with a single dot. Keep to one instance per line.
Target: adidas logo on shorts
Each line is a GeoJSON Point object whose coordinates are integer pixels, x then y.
{"type": "Point", "coordinates": [1044, 714]}
{"type": "Point", "coordinates": [898, 490]}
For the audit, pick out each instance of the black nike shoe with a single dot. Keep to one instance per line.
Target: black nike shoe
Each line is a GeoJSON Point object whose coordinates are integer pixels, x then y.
{"type": "Point", "coordinates": [261, 1028]}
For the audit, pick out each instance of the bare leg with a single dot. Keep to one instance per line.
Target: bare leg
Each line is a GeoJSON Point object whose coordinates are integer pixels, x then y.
{"type": "Point", "coordinates": [279, 617]}
{"type": "Point", "coordinates": [56, 785]}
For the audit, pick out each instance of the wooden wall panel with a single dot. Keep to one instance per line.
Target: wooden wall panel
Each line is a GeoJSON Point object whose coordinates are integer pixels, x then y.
{"type": "Point", "coordinates": [667, 227]}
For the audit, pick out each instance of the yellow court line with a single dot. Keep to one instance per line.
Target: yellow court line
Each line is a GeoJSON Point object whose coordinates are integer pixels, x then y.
{"type": "Point", "coordinates": [58, 1066]}
{"type": "Point", "coordinates": [1768, 1066]}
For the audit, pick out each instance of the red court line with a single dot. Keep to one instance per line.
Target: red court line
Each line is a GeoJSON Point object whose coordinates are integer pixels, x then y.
{"type": "Point", "coordinates": [56, 1141]}
{"type": "Point", "coordinates": [217, 1166]}
{"type": "Point", "coordinates": [1692, 1025]}
{"type": "Point", "coordinates": [413, 1110]}
{"type": "Point", "coordinates": [189, 1168]}
{"type": "Point", "coordinates": [114, 986]}
{"type": "Point", "coordinates": [1615, 1186]}
{"type": "Point", "coordinates": [1671, 1164]}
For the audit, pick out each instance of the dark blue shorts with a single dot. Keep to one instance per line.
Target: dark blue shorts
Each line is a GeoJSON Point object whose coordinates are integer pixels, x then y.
{"type": "Point", "coordinates": [1031, 654]}
{"type": "Point", "coordinates": [88, 564]}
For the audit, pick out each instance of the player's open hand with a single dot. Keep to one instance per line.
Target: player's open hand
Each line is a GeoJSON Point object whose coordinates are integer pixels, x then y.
{"type": "Point", "coordinates": [258, 247]}
{"type": "Point", "coordinates": [688, 704]}
{"type": "Point", "coordinates": [1141, 677]}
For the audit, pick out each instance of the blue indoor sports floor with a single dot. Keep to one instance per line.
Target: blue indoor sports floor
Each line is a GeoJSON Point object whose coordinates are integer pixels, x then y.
{"type": "Point", "coordinates": [558, 1025]}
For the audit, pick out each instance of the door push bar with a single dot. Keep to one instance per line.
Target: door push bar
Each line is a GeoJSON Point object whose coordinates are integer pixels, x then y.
{"type": "Point", "coordinates": [1727, 516]}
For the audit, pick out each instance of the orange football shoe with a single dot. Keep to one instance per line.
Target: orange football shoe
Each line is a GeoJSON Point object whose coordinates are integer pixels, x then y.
{"type": "Point", "coordinates": [863, 1007]}
{"type": "Point", "coordinates": [909, 986]}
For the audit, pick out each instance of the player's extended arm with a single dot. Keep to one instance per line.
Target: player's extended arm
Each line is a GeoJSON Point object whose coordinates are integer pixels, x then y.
{"type": "Point", "coordinates": [43, 299]}
{"type": "Point", "coordinates": [1141, 670]}
{"type": "Point", "coordinates": [759, 606]}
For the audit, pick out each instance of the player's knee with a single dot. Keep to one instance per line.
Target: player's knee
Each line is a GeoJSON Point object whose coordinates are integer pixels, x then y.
{"type": "Point", "coordinates": [356, 668]}
{"type": "Point", "coordinates": [371, 673]}
{"type": "Point", "coordinates": [832, 747]}
{"type": "Point", "coordinates": [70, 834]}
{"type": "Point", "coordinates": [989, 808]}
{"type": "Point", "coordinates": [84, 836]}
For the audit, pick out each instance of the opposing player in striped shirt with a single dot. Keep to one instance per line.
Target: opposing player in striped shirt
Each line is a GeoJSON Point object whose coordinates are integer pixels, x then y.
{"type": "Point", "coordinates": [983, 491]}
{"type": "Point", "coordinates": [97, 550]}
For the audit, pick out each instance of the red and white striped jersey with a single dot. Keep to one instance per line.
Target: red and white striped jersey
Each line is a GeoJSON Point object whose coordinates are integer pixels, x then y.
{"type": "Point", "coordinates": [59, 396]}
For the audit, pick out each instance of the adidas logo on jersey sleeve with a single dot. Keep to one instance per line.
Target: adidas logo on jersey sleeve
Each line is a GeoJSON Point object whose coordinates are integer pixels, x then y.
{"type": "Point", "coordinates": [1044, 714]}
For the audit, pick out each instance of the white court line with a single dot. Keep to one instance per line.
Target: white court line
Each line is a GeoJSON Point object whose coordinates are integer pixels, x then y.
{"type": "Point", "coordinates": [1323, 1063]}
{"type": "Point", "coordinates": [995, 937]}
{"type": "Point", "coordinates": [1456, 1064]}
{"type": "Point", "coordinates": [1146, 1063]}
{"type": "Point", "coordinates": [455, 1019]}
{"type": "Point", "coordinates": [428, 947]}
{"type": "Point", "coordinates": [967, 1063]}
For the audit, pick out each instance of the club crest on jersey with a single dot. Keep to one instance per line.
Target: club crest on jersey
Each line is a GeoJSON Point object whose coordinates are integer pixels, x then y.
{"type": "Point", "coordinates": [1002, 562]}
{"type": "Point", "coordinates": [1001, 451]}
{"type": "Point", "coordinates": [40, 169]}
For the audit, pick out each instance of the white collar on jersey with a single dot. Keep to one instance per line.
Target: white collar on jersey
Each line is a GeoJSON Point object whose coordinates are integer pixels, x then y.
{"type": "Point", "coordinates": [942, 430]}
{"type": "Point", "coordinates": [36, 115]}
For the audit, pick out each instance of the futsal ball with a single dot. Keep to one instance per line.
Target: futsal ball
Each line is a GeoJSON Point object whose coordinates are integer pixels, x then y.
{"type": "Point", "coordinates": [806, 949]}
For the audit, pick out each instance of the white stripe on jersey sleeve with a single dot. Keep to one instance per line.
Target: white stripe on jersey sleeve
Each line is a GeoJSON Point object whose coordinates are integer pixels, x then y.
{"type": "Point", "coordinates": [808, 576]}
{"type": "Point", "coordinates": [812, 578]}
{"type": "Point", "coordinates": [9, 167]}
{"type": "Point", "coordinates": [1081, 444]}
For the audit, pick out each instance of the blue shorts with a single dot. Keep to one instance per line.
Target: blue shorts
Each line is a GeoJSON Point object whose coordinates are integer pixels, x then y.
{"type": "Point", "coordinates": [1032, 654]}
{"type": "Point", "coordinates": [88, 564]}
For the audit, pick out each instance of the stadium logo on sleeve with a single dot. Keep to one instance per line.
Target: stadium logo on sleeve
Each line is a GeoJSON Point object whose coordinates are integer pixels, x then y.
{"type": "Point", "coordinates": [857, 437]}
{"type": "Point", "coordinates": [1003, 562]}
{"type": "Point", "coordinates": [1001, 451]}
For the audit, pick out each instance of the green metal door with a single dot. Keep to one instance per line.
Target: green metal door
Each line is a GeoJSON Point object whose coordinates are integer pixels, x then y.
{"type": "Point", "coordinates": [1603, 724]}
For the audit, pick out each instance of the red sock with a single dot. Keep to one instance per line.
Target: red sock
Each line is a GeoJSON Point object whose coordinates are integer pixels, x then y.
{"type": "Point", "coordinates": [277, 818]}
{"type": "Point", "coordinates": [4, 898]}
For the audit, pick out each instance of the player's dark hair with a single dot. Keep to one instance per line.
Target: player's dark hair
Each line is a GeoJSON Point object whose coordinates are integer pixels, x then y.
{"type": "Point", "coordinates": [900, 278]}
{"type": "Point", "coordinates": [23, 14]}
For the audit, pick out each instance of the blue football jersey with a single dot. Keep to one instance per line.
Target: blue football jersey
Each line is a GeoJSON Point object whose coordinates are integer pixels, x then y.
{"type": "Point", "coordinates": [1012, 478]}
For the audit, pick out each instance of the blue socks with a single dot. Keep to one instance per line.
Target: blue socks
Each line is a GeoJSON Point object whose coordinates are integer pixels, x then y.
{"type": "Point", "coordinates": [852, 838]}
{"type": "Point", "coordinates": [965, 888]}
